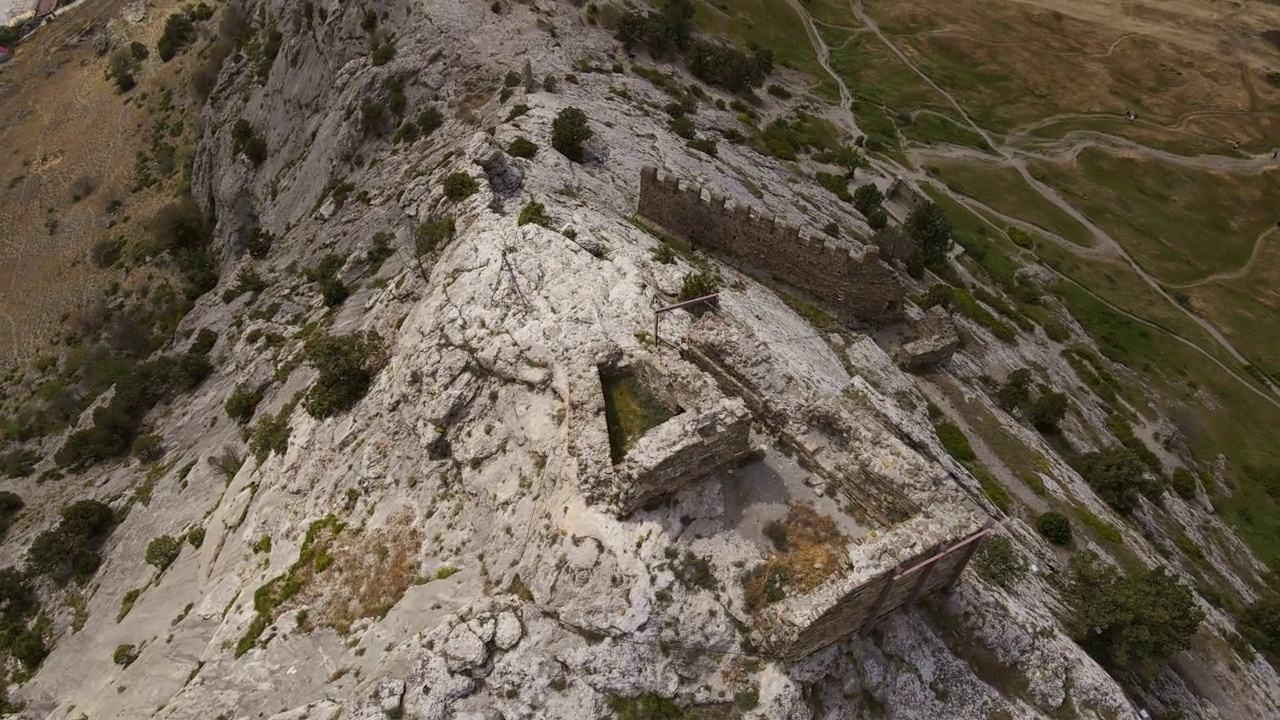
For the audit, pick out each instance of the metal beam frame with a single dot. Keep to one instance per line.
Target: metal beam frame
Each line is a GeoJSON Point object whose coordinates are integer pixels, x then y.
{"type": "Point", "coordinates": [969, 545]}
{"type": "Point", "coordinates": [973, 542]}
{"type": "Point", "coordinates": [870, 622]}
{"type": "Point", "coordinates": [939, 551]}
{"type": "Point", "coordinates": [712, 301]}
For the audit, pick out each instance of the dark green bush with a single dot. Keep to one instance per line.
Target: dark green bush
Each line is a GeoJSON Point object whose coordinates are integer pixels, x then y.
{"type": "Point", "coordinates": [347, 366]}
{"type": "Point", "coordinates": [1136, 621]}
{"type": "Point", "coordinates": [10, 505]}
{"type": "Point", "coordinates": [1183, 483]}
{"type": "Point", "coordinates": [162, 551]}
{"type": "Point", "coordinates": [459, 186]}
{"type": "Point", "coordinates": [1117, 475]}
{"type": "Point", "coordinates": [116, 424]}
{"type": "Point", "coordinates": [1260, 625]}
{"type": "Point", "coordinates": [29, 649]}
{"type": "Point", "coordinates": [18, 463]}
{"type": "Point", "coordinates": [148, 448]}
{"type": "Point", "coordinates": [325, 275]}
{"type": "Point", "coordinates": [204, 342]}
{"type": "Point", "coordinates": [179, 32]}
{"type": "Point", "coordinates": [433, 234]}
{"type": "Point", "coordinates": [245, 140]}
{"type": "Point", "coordinates": [1000, 563]}
{"type": "Point", "coordinates": [683, 126]}
{"type": "Point", "coordinates": [703, 145]}
{"type": "Point", "coordinates": [124, 655]}
{"type": "Point", "coordinates": [429, 120]}
{"type": "Point", "coordinates": [379, 250]}
{"type": "Point", "coordinates": [867, 198]}
{"type": "Point", "coordinates": [69, 551]}
{"type": "Point", "coordinates": [837, 184]}
{"type": "Point", "coordinates": [534, 212]}
{"type": "Point", "coordinates": [258, 242]}
{"type": "Point", "coordinates": [383, 53]}
{"type": "Point", "coordinates": [569, 131]}
{"type": "Point", "coordinates": [271, 434]}
{"type": "Point", "coordinates": [1055, 527]}
{"type": "Point", "coordinates": [929, 226]}
{"type": "Point", "coordinates": [1047, 410]}
{"type": "Point", "coordinates": [698, 284]}
{"type": "Point", "coordinates": [522, 147]}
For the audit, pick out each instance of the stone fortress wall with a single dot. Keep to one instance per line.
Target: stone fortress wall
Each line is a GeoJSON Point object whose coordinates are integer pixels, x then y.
{"type": "Point", "coordinates": [856, 286]}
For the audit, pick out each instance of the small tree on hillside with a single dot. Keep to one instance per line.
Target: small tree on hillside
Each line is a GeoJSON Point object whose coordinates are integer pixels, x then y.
{"type": "Point", "coordinates": [569, 131]}
{"type": "Point", "coordinates": [347, 366]}
{"type": "Point", "coordinates": [1055, 527]}
{"type": "Point", "coordinates": [867, 198]}
{"type": "Point", "coordinates": [1117, 475]}
{"type": "Point", "coordinates": [1133, 621]}
{"type": "Point", "coordinates": [929, 227]}
{"type": "Point", "coordinates": [1047, 410]}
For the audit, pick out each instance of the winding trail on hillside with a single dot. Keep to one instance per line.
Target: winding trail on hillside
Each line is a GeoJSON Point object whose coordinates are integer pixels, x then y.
{"type": "Point", "coordinates": [1068, 148]}
{"type": "Point", "coordinates": [1236, 274]}
{"type": "Point", "coordinates": [989, 43]}
{"type": "Point", "coordinates": [1063, 242]}
{"type": "Point", "coordinates": [823, 54]}
{"type": "Point", "coordinates": [1009, 157]}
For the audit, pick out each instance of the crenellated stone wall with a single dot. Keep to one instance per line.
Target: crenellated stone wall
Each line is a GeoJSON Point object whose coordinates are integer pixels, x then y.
{"type": "Point", "coordinates": [856, 286]}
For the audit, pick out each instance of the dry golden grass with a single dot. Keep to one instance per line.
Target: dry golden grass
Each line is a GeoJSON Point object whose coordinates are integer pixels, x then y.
{"type": "Point", "coordinates": [808, 552]}
{"type": "Point", "coordinates": [371, 572]}
{"type": "Point", "coordinates": [63, 128]}
{"type": "Point", "coordinates": [1014, 63]}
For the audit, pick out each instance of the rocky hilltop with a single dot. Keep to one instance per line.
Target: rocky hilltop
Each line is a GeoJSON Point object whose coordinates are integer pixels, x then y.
{"type": "Point", "coordinates": [427, 523]}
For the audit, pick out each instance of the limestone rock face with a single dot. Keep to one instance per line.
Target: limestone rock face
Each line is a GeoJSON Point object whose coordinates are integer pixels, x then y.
{"type": "Point", "coordinates": [508, 631]}
{"type": "Point", "coordinates": [474, 561]}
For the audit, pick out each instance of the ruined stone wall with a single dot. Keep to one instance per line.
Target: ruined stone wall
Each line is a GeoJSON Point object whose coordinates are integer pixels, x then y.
{"type": "Point", "coordinates": [854, 286]}
{"type": "Point", "coordinates": [803, 625]}
{"type": "Point", "coordinates": [866, 497]}
{"type": "Point", "coordinates": [852, 612]}
{"type": "Point", "coordinates": [935, 342]}
{"type": "Point", "coordinates": [681, 450]}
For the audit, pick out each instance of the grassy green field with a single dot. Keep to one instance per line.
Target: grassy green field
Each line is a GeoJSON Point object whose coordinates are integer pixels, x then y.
{"type": "Point", "coordinates": [932, 128]}
{"type": "Point", "coordinates": [1003, 190]}
{"type": "Point", "coordinates": [770, 24]}
{"type": "Point", "coordinates": [1247, 308]}
{"type": "Point", "coordinates": [1180, 224]}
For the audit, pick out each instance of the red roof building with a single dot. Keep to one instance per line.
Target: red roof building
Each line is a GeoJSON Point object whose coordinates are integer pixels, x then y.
{"type": "Point", "coordinates": [45, 7]}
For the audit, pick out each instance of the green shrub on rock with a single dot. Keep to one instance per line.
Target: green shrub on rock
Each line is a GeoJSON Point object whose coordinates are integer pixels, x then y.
{"type": "Point", "coordinates": [347, 366]}
{"type": "Point", "coordinates": [1055, 527]}
{"type": "Point", "coordinates": [460, 186]}
{"type": "Point", "coordinates": [522, 147]}
{"type": "Point", "coordinates": [162, 551]}
{"type": "Point", "coordinates": [569, 131]}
